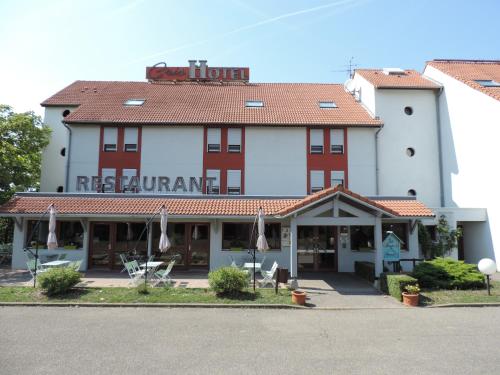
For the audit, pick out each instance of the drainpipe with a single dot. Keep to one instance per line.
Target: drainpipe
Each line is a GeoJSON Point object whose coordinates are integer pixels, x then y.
{"type": "Point", "coordinates": [440, 148]}
{"type": "Point", "coordinates": [68, 153]}
{"type": "Point", "coordinates": [377, 188]}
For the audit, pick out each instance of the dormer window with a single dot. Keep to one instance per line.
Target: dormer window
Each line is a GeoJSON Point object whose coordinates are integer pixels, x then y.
{"type": "Point", "coordinates": [134, 102]}
{"type": "Point", "coordinates": [254, 103]}
{"type": "Point", "coordinates": [327, 105]}
{"type": "Point", "coordinates": [487, 83]}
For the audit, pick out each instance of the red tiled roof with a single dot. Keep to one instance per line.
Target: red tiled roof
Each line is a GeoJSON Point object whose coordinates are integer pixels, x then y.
{"type": "Point", "coordinates": [209, 103]}
{"type": "Point", "coordinates": [118, 205]}
{"type": "Point", "coordinates": [470, 71]}
{"type": "Point", "coordinates": [410, 80]}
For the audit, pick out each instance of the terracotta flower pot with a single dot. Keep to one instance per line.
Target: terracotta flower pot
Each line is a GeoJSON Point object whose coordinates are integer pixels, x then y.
{"type": "Point", "coordinates": [299, 297]}
{"type": "Point", "coordinates": [410, 299]}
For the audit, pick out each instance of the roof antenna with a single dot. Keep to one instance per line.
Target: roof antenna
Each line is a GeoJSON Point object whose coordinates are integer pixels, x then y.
{"type": "Point", "coordinates": [349, 68]}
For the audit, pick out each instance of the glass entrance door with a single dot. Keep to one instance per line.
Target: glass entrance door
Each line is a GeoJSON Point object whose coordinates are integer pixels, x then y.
{"type": "Point", "coordinates": [199, 245]}
{"type": "Point", "coordinates": [101, 248]}
{"type": "Point", "coordinates": [317, 246]}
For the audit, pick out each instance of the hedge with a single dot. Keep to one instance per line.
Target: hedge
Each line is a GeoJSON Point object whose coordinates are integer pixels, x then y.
{"type": "Point", "coordinates": [59, 280]}
{"type": "Point", "coordinates": [394, 283]}
{"type": "Point", "coordinates": [447, 273]}
{"type": "Point", "coordinates": [228, 281]}
{"type": "Point", "coordinates": [365, 270]}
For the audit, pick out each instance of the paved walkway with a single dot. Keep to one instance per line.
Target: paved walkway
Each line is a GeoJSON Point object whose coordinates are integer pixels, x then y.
{"type": "Point", "coordinates": [343, 290]}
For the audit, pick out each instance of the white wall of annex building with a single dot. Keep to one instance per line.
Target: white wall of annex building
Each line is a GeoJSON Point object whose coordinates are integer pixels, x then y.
{"type": "Point", "coordinates": [398, 172]}
{"type": "Point", "coordinates": [172, 152]}
{"type": "Point", "coordinates": [275, 161]}
{"type": "Point", "coordinates": [53, 170]}
{"type": "Point", "coordinates": [84, 160]}
{"type": "Point", "coordinates": [469, 123]}
{"type": "Point", "coordinates": [361, 160]}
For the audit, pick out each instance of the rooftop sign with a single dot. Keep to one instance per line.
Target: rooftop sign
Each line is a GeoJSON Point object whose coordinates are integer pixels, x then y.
{"type": "Point", "coordinates": [197, 71]}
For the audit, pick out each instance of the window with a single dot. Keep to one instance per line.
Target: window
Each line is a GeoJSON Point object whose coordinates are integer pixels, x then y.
{"type": "Point", "coordinates": [106, 186]}
{"type": "Point", "coordinates": [316, 141]}
{"type": "Point", "coordinates": [337, 178]}
{"type": "Point", "coordinates": [234, 140]}
{"type": "Point", "coordinates": [69, 234]}
{"type": "Point", "coordinates": [327, 105]}
{"type": "Point", "coordinates": [399, 229]}
{"type": "Point", "coordinates": [487, 83]}
{"type": "Point", "coordinates": [66, 112]}
{"type": "Point", "coordinates": [410, 151]}
{"type": "Point", "coordinates": [213, 139]}
{"type": "Point", "coordinates": [110, 139]}
{"type": "Point", "coordinates": [60, 189]}
{"type": "Point", "coordinates": [236, 236]}
{"type": "Point", "coordinates": [234, 182]}
{"type": "Point", "coordinates": [131, 139]}
{"type": "Point", "coordinates": [254, 103]}
{"type": "Point", "coordinates": [409, 111]}
{"type": "Point", "coordinates": [134, 102]}
{"type": "Point", "coordinates": [337, 141]}
{"type": "Point", "coordinates": [213, 181]}
{"type": "Point", "coordinates": [317, 181]}
{"type": "Point", "coordinates": [412, 193]}
{"type": "Point", "coordinates": [362, 238]}
{"type": "Point", "coordinates": [127, 175]}
{"type": "Point", "coordinates": [63, 151]}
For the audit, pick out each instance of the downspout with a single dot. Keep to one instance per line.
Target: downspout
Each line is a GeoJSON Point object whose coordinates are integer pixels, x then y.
{"type": "Point", "coordinates": [377, 187]}
{"type": "Point", "coordinates": [68, 159]}
{"type": "Point", "coordinates": [440, 148]}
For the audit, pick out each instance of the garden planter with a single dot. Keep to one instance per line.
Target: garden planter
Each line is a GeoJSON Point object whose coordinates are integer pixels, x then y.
{"type": "Point", "coordinates": [299, 297]}
{"type": "Point", "coordinates": [410, 299]}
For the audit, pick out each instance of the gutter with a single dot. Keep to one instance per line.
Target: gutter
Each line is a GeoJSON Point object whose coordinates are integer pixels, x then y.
{"type": "Point", "coordinates": [440, 147]}
{"type": "Point", "coordinates": [377, 187]}
{"type": "Point", "coordinates": [66, 180]}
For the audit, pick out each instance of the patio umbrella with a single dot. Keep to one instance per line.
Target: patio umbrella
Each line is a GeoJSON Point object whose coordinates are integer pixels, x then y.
{"type": "Point", "coordinates": [130, 232]}
{"type": "Point", "coordinates": [164, 244]}
{"type": "Point", "coordinates": [261, 240]}
{"type": "Point", "coordinates": [51, 239]}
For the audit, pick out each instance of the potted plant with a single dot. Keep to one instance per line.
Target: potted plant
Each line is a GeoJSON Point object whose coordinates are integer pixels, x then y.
{"type": "Point", "coordinates": [298, 297]}
{"type": "Point", "coordinates": [411, 295]}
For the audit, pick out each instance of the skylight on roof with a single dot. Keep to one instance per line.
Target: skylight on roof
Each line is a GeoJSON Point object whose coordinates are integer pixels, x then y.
{"type": "Point", "coordinates": [134, 102]}
{"type": "Point", "coordinates": [327, 105]}
{"type": "Point", "coordinates": [488, 83]}
{"type": "Point", "coordinates": [254, 103]}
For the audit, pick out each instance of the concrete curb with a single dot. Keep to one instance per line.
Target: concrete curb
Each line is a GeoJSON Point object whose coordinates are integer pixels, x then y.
{"type": "Point", "coordinates": [162, 305]}
{"type": "Point", "coordinates": [474, 304]}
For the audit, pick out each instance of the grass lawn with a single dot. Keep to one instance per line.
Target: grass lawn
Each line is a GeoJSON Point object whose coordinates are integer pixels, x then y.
{"type": "Point", "coordinates": [156, 295]}
{"type": "Point", "coordinates": [437, 297]}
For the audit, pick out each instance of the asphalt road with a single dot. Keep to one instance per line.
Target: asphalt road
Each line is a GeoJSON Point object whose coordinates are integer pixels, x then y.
{"type": "Point", "coordinates": [60, 340]}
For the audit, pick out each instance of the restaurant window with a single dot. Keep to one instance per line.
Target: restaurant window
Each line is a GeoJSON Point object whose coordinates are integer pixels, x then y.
{"type": "Point", "coordinates": [69, 234]}
{"type": "Point", "coordinates": [317, 181]}
{"type": "Point", "coordinates": [399, 229]}
{"type": "Point", "coordinates": [362, 238]}
{"type": "Point", "coordinates": [315, 237]}
{"type": "Point", "coordinates": [316, 141]}
{"type": "Point", "coordinates": [234, 140]}
{"type": "Point", "coordinates": [213, 181]}
{"type": "Point", "coordinates": [234, 182]}
{"type": "Point", "coordinates": [337, 178]}
{"type": "Point", "coordinates": [110, 139]}
{"type": "Point", "coordinates": [213, 139]}
{"type": "Point", "coordinates": [337, 141]}
{"type": "Point", "coordinates": [131, 139]}
{"type": "Point", "coordinates": [128, 237]}
{"type": "Point", "coordinates": [237, 236]}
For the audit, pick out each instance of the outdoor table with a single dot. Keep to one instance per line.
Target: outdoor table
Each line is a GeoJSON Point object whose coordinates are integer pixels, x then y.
{"type": "Point", "coordinates": [249, 267]}
{"type": "Point", "coordinates": [57, 263]}
{"type": "Point", "coordinates": [152, 267]}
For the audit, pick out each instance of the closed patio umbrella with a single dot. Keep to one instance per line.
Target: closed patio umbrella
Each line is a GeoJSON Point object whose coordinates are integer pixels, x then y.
{"type": "Point", "coordinates": [164, 244]}
{"type": "Point", "coordinates": [261, 240]}
{"type": "Point", "coordinates": [51, 239]}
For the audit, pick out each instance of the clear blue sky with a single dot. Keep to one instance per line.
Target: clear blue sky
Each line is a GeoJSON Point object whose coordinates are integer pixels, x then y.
{"type": "Point", "coordinates": [48, 44]}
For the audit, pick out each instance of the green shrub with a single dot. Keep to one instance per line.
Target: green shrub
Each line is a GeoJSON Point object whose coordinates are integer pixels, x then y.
{"type": "Point", "coordinates": [228, 280]}
{"type": "Point", "coordinates": [447, 273]}
{"type": "Point", "coordinates": [58, 280]}
{"type": "Point", "coordinates": [142, 289]}
{"type": "Point", "coordinates": [365, 270]}
{"type": "Point", "coordinates": [395, 283]}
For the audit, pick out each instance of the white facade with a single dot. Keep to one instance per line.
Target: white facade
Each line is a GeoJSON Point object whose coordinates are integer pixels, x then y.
{"type": "Point", "coordinates": [275, 161]}
{"type": "Point", "coordinates": [469, 123]}
{"type": "Point", "coordinates": [361, 161]}
{"type": "Point", "coordinates": [83, 154]}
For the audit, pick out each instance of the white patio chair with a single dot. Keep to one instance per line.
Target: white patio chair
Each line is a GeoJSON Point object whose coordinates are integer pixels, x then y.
{"type": "Point", "coordinates": [163, 276]}
{"type": "Point", "coordinates": [134, 273]}
{"type": "Point", "coordinates": [31, 267]}
{"type": "Point", "coordinates": [124, 260]}
{"type": "Point", "coordinates": [76, 265]}
{"type": "Point", "coordinates": [268, 276]}
{"type": "Point", "coordinates": [62, 256]}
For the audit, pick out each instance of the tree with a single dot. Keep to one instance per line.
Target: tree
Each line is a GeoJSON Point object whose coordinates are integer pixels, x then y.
{"type": "Point", "coordinates": [447, 239]}
{"type": "Point", "coordinates": [22, 139]}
